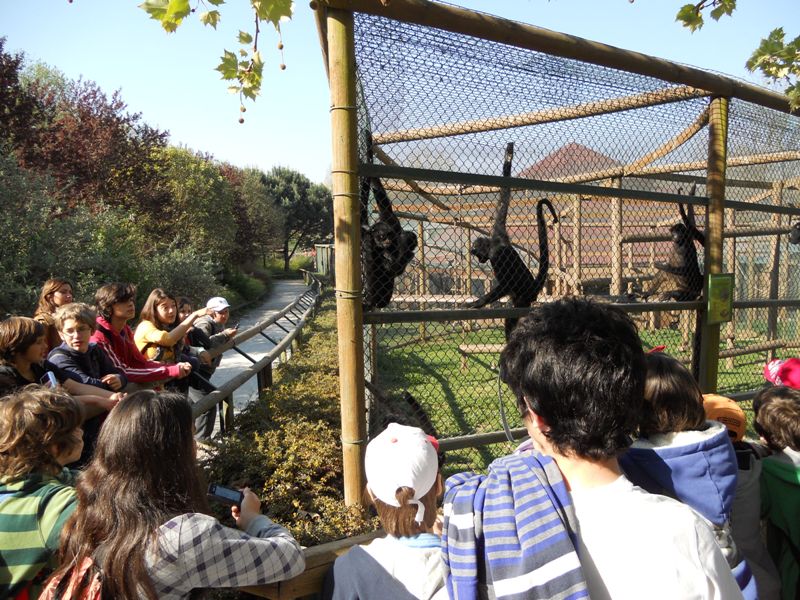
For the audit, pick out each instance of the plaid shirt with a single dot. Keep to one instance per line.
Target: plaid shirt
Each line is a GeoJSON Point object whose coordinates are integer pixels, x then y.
{"type": "Point", "coordinates": [196, 551]}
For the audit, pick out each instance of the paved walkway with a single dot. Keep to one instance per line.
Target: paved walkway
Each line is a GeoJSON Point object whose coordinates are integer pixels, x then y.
{"type": "Point", "coordinates": [283, 293]}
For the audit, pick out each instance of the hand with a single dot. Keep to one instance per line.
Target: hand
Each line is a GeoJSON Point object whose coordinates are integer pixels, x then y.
{"type": "Point", "coordinates": [230, 331]}
{"type": "Point", "coordinates": [185, 369]}
{"type": "Point", "coordinates": [250, 508]}
{"type": "Point", "coordinates": [438, 526]}
{"type": "Point", "coordinates": [112, 381]}
{"type": "Point", "coordinates": [201, 312]}
{"type": "Point", "coordinates": [204, 357]}
{"type": "Point", "coordinates": [117, 397]}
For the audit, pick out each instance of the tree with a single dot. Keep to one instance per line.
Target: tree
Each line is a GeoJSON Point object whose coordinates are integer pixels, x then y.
{"type": "Point", "coordinates": [775, 58]}
{"type": "Point", "coordinates": [17, 106]}
{"type": "Point", "coordinates": [98, 153]}
{"type": "Point", "coordinates": [259, 222]}
{"type": "Point", "coordinates": [307, 210]}
{"type": "Point", "coordinates": [202, 203]}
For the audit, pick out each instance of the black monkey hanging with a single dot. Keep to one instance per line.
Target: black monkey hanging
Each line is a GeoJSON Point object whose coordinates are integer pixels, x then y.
{"type": "Point", "coordinates": [680, 277]}
{"type": "Point", "coordinates": [386, 248]}
{"type": "Point", "coordinates": [513, 278]}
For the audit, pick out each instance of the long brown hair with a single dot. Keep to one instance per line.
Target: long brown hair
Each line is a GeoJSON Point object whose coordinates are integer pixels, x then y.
{"type": "Point", "coordinates": [143, 473]}
{"type": "Point", "coordinates": [46, 306]}
{"type": "Point", "coordinates": [150, 312]}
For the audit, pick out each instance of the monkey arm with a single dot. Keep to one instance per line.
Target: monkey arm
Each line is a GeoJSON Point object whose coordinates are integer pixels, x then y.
{"type": "Point", "coordinates": [493, 295]}
{"type": "Point", "coordinates": [673, 269]}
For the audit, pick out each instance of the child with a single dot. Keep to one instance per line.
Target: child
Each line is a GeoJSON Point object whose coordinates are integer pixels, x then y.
{"type": "Point", "coordinates": [778, 422]}
{"type": "Point", "coordinates": [23, 348]}
{"type": "Point", "coordinates": [681, 455]}
{"type": "Point", "coordinates": [403, 484]}
{"type": "Point", "coordinates": [40, 432]}
{"type": "Point", "coordinates": [158, 335]}
{"type": "Point", "coordinates": [115, 307]}
{"type": "Point", "coordinates": [746, 511]}
{"type": "Point", "coordinates": [142, 516]}
{"type": "Point", "coordinates": [86, 362]}
{"type": "Point", "coordinates": [55, 292]}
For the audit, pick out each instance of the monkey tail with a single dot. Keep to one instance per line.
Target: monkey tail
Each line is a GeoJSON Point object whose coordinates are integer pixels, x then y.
{"type": "Point", "coordinates": [544, 251]}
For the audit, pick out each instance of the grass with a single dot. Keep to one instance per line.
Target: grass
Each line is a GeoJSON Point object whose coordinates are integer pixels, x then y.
{"type": "Point", "coordinates": [466, 400]}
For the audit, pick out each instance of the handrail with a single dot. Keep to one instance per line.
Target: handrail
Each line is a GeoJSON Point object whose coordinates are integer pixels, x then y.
{"type": "Point", "coordinates": [308, 300]}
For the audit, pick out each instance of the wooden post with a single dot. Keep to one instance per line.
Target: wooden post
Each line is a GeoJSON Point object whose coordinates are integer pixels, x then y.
{"type": "Point", "coordinates": [558, 288]}
{"type": "Point", "coordinates": [616, 243]}
{"type": "Point", "coordinates": [715, 225]}
{"type": "Point", "coordinates": [730, 326]}
{"type": "Point", "coordinates": [652, 317]}
{"type": "Point", "coordinates": [347, 236]}
{"type": "Point", "coordinates": [772, 312]}
{"type": "Point", "coordinates": [423, 280]}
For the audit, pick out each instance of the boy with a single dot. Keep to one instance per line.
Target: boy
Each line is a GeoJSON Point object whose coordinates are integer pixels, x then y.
{"type": "Point", "coordinates": [209, 332]}
{"type": "Point", "coordinates": [40, 432]}
{"type": "Point", "coordinates": [115, 307]}
{"type": "Point", "coordinates": [577, 371]}
{"type": "Point", "coordinates": [403, 484]}
{"type": "Point", "coordinates": [86, 362]}
{"type": "Point", "coordinates": [777, 421]}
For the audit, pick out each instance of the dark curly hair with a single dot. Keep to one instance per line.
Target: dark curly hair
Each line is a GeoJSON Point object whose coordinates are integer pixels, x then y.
{"type": "Point", "coordinates": [580, 366]}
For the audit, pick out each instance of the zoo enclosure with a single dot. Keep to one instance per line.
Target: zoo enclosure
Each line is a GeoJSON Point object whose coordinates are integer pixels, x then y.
{"type": "Point", "coordinates": [612, 138]}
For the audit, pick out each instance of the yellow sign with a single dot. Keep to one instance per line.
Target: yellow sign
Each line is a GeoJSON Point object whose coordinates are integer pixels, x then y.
{"type": "Point", "coordinates": [719, 292]}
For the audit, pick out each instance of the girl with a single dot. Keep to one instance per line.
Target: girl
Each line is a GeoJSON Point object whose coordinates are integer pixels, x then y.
{"type": "Point", "coordinates": [158, 336]}
{"type": "Point", "coordinates": [55, 292]}
{"type": "Point", "coordinates": [23, 348]}
{"type": "Point", "coordinates": [159, 543]}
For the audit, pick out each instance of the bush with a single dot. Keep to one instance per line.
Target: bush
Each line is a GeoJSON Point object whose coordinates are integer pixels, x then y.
{"type": "Point", "coordinates": [286, 447]}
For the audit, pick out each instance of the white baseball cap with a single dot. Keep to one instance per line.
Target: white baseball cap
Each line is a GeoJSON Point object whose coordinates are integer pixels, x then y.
{"type": "Point", "coordinates": [401, 456]}
{"type": "Point", "coordinates": [217, 304]}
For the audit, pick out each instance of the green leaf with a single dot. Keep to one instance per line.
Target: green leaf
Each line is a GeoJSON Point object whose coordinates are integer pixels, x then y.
{"type": "Point", "coordinates": [724, 7]}
{"type": "Point", "coordinates": [210, 17]}
{"type": "Point", "coordinates": [169, 12]}
{"type": "Point", "coordinates": [245, 38]}
{"type": "Point", "coordinates": [228, 66]}
{"type": "Point", "coordinates": [272, 10]}
{"type": "Point", "coordinates": [690, 17]}
{"type": "Point", "coordinates": [216, 2]}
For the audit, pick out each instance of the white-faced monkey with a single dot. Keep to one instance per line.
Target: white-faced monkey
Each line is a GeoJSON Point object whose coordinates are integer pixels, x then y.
{"type": "Point", "coordinates": [513, 278]}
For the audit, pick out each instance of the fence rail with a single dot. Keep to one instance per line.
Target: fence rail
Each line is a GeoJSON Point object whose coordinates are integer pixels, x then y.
{"type": "Point", "coordinates": [296, 313]}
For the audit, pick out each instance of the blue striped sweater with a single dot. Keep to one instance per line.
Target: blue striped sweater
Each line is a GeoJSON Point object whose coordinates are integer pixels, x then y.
{"type": "Point", "coordinates": [509, 534]}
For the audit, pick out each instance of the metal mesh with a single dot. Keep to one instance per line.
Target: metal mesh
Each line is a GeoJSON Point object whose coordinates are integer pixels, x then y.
{"type": "Point", "coordinates": [444, 106]}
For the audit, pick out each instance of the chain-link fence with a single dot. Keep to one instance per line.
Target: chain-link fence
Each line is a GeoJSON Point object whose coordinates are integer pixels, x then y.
{"type": "Point", "coordinates": [621, 158]}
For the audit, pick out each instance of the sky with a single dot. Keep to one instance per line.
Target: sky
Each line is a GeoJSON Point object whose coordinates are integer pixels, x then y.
{"type": "Point", "coordinates": [170, 78]}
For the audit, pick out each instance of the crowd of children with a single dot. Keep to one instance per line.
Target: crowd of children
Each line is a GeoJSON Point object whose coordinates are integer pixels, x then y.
{"type": "Point", "coordinates": [631, 485]}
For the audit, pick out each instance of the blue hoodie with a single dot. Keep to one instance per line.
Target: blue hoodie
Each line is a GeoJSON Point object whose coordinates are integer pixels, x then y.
{"type": "Point", "coordinates": [698, 468]}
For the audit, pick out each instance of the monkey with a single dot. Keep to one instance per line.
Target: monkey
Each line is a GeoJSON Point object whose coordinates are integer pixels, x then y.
{"type": "Point", "coordinates": [513, 277]}
{"type": "Point", "coordinates": [386, 250]}
{"type": "Point", "coordinates": [794, 233]}
{"type": "Point", "coordinates": [680, 277]}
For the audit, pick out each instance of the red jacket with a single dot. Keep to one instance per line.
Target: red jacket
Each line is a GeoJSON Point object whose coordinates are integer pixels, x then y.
{"type": "Point", "coordinates": [126, 356]}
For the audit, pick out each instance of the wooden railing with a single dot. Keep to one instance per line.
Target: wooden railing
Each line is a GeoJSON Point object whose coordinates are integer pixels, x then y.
{"type": "Point", "coordinates": [291, 319]}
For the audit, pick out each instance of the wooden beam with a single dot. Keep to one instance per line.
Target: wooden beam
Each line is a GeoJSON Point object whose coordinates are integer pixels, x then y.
{"type": "Point", "coordinates": [413, 185]}
{"type": "Point", "coordinates": [550, 115]}
{"type": "Point", "coordinates": [347, 236]}
{"type": "Point", "coordinates": [670, 145]}
{"type": "Point", "coordinates": [488, 27]}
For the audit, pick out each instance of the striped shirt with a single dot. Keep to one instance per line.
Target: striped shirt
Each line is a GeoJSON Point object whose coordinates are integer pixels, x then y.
{"type": "Point", "coordinates": [33, 510]}
{"type": "Point", "coordinates": [515, 528]}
